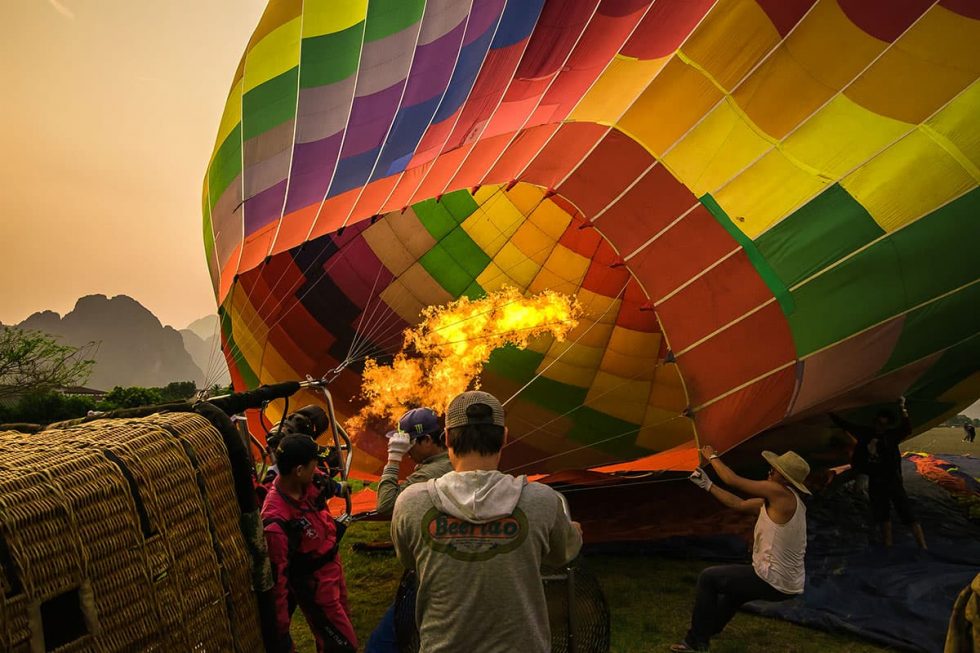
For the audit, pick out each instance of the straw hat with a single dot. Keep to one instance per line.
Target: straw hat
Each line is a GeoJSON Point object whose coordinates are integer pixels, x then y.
{"type": "Point", "coordinates": [792, 467]}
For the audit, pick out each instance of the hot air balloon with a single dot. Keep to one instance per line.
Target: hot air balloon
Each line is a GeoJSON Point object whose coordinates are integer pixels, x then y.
{"type": "Point", "coordinates": [767, 209]}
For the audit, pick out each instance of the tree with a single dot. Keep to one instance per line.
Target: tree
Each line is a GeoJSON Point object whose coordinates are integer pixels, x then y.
{"type": "Point", "coordinates": [32, 362]}
{"type": "Point", "coordinates": [133, 397]}
{"type": "Point", "coordinates": [178, 391]}
{"type": "Point", "coordinates": [45, 407]}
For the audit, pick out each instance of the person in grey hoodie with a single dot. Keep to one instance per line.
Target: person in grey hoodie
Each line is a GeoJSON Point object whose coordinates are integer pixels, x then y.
{"type": "Point", "coordinates": [477, 539]}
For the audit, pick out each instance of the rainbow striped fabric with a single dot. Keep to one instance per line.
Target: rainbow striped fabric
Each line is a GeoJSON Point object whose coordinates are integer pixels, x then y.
{"type": "Point", "coordinates": [768, 208]}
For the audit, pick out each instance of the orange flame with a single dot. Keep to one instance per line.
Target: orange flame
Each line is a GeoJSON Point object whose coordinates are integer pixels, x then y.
{"type": "Point", "coordinates": [452, 344]}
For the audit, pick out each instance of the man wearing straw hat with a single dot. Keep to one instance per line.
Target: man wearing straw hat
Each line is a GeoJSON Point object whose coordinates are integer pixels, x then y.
{"type": "Point", "coordinates": [776, 572]}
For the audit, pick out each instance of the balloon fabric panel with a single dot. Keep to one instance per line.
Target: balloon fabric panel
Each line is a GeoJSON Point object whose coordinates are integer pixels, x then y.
{"type": "Point", "coordinates": [745, 197]}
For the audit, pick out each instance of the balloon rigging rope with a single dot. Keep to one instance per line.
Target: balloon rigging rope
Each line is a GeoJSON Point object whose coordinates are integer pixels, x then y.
{"type": "Point", "coordinates": [356, 340]}
{"type": "Point", "coordinates": [593, 444]}
{"type": "Point", "coordinates": [257, 316]}
{"type": "Point", "coordinates": [606, 486]}
{"type": "Point", "coordinates": [391, 336]}
{"type": "Point", "coordinates": [390, 333]}
{"type": "Point", "coordinates": [237, 354]}
{"type": "Point", "coordinates": [213, 368]}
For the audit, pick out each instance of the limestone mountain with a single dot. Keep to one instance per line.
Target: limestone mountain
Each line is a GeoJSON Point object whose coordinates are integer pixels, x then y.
{"type": "Point", "coordinates": [132, 347]}
{"type": "Point", "coordinates": [202, 340]}
{"type": "Point", "coordinates": [204, 327]}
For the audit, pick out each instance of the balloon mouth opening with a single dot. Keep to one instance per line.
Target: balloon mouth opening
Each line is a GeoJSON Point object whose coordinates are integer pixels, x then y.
{"type": "Point", "coordinates": [613, 383]}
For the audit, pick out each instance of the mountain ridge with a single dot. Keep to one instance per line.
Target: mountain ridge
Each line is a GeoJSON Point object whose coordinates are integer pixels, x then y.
{"type": "Point", "coordinates": [133, 347]}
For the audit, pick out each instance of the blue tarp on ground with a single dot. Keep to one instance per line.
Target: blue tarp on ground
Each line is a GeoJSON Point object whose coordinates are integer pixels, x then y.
{"type": "Point", "coordinates": [901, 596]}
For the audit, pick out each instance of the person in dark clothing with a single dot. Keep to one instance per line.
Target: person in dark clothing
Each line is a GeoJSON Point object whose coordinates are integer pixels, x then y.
{"type": "Point", "coordinates": [882, 461]}
{"type": "Point", "coordinates": [421, 435]}
{"type": "Point", "coordinates": [303, 541]}
{"type": "Point", "coordinates": [969, 432]}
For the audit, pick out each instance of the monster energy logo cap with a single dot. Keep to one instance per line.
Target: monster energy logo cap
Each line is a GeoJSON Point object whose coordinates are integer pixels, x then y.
{"type": "Point", "coordinates": [420, 421]}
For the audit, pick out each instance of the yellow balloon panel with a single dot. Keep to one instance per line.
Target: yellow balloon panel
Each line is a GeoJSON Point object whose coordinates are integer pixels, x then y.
{"type": "Point", "coordinates": [492, 224]}
{"type": "Point", "coordinates": [274, 367]}
{"type": "Point", "coordinates": [532, 242]}
{"type": "Point", "coordinates": [957, 125]}
{"type": "Point", "coordinates": [330, 16]}
{"type": "Point", "coordinates": [907, 181]}
{"type": "Point", "coordinates": [598, 308]}
{"type": "Point", "coordinates": [663, 429]}
{"type": "Point", "coordinates": [614, 92]}
{"type": "Point", "coordinates": [842, 136]}
{"type": "Point", "coordinates": [767, 191]}
{"type": "Point", "coordinates": [550, 219]}
{"type": "Point", "coordinates": [631, 354]}
{"type": "Point", "coordinates": [273, 55]}
{"type": "Point", "coordinates": [562, 272]}
{"type": "Point", "coordinates": [510, 266]}
{"type": "Point", "coordinates": [573, 363]}
{"type": "Point", "coordinates": [525, 197]}
{"type": "Point", "coordinates": [232, 115]}
{"type": "Point", "coordinates": [717, 149]}
{"type": "Point", "coordinates": [620, 397]}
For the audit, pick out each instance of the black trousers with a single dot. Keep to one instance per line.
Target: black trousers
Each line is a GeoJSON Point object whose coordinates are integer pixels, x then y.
{"type": "Point", "coordinates": [721, 591]}
{"type": "Point", "coordinates": [886, 490]}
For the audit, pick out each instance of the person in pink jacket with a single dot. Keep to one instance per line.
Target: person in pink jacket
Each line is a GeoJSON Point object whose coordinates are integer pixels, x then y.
{"type": "Point", "coordinates": [303, 543]}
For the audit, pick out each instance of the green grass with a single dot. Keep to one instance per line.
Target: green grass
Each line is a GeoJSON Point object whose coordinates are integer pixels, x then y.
{"type": "Point", "coordinates": [650, 598]}
{"type": "Point", "coordinates": [650, 601]}
{"type": "Point", "coordinates": [372, 579]}
{"type": "Point", "coordinates": [942, 440]}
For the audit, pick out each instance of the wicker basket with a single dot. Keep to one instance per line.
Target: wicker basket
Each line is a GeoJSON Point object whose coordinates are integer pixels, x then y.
{"type": "Point", "coordinates": [123, 535]}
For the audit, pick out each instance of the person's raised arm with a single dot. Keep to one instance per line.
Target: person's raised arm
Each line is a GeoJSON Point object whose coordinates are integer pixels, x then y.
{"type": "Point", "coordinates": [763, 489]}
{"type": "Point", "coordinates": [388, 486]}
{"type": "Point", "coordinates": [906, 421]}
{"type": "Point", "coordinates": [748, 506]}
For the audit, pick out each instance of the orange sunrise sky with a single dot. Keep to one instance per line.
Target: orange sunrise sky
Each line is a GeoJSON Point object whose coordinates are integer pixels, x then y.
{"type": "Point", "coordinates": [108, 119]}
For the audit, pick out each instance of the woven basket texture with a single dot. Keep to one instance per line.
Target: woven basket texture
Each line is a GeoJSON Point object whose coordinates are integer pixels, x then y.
{"type": "Point", "coordinates": [123, 535]}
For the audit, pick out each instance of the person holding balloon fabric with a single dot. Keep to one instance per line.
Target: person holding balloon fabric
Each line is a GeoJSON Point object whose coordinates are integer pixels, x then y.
{"type": "Point", "coordinates": [779, 544]}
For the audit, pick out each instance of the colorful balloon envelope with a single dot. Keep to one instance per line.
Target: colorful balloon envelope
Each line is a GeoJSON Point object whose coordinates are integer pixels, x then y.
{"type": "Point", "coordinates": [767, 209]}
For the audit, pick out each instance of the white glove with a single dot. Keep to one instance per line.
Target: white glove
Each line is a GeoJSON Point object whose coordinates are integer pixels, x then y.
{"type": "Point", "coordinates": [699, 478]}
{"type": "Point", "coordinates": [398, 444]}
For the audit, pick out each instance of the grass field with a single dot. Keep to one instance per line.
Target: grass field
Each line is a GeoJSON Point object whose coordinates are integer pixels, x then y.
{"type": "Point", "coordinates": [943, 440]}
{"type": "Point", "coordinates": [649, 597]}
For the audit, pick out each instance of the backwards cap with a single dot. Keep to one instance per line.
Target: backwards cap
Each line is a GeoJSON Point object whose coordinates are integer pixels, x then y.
{"type": "Point", "coordinates": [456, 413]}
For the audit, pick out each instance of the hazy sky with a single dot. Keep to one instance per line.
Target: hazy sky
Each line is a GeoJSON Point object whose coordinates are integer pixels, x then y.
{"type": "Point", "coordinates": [107, 121]}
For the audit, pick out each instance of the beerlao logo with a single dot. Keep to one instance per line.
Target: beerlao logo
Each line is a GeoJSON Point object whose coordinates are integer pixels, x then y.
{"type": "Point", "coordinates": [470, 542]}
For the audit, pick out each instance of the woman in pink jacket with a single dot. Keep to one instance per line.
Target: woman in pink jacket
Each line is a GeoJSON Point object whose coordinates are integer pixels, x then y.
{"type": "Point", "coordinates": [303, 543]}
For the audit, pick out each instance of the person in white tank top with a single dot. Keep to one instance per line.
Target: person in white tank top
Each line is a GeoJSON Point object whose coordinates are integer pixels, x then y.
{"type": "Point", "coordinates": [777, 569]}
